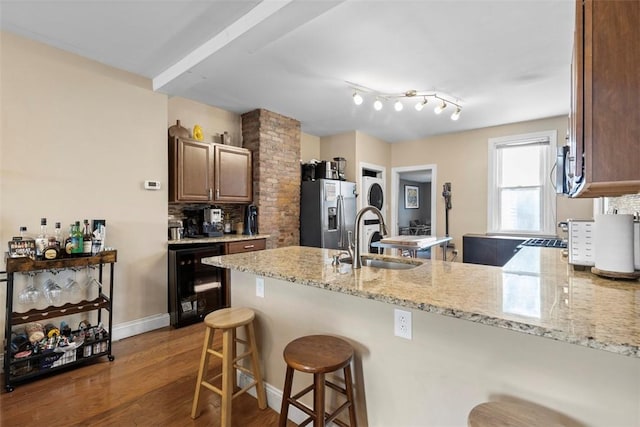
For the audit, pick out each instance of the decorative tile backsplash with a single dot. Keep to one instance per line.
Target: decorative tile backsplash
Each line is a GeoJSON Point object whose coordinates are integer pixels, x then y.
{"type": "Point", "coordinates": [628, 204]}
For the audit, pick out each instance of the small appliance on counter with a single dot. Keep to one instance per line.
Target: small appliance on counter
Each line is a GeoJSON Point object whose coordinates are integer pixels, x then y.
{"type": "Point", "coordinates": [212, 222]}
{"type": "Point", "coordinates": [250, 220]}
{"type": "Point", "coordinates": [176, 230]}
{"type": "Point", "coordinates": [325, 169]}
{"type": "Point", "coordinates": [341, 165]}
{"type": "Point", "coordinates": [581, 242]}
{"type": "Point", "coordinates": [193, 223]}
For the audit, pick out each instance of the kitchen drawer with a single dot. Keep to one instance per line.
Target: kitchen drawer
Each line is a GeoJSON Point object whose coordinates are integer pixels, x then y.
{"type": "Point", "coordinates": [246, 246]}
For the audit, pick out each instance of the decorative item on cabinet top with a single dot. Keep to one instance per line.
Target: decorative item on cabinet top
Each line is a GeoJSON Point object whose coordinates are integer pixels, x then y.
{"type": "Point", "coordinates": [198, 134]}
{"type": "Point", "coordinates": [178, 131]}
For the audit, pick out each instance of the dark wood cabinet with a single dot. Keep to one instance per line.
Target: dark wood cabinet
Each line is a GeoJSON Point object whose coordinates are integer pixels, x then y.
{"type": "Point", "coordinates": [232, 174]}
{"type": "Point", "coordinates": [246, 246]}
{"type": "Point", "coordinates": [204, 172]}
{"type": "Point", "coordinates": [190, 170]}
{"type": "Point", "coordinates": [604, 124]}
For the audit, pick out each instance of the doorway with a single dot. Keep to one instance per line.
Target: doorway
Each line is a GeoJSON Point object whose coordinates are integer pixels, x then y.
{"type": "Point", "coordinates": [413, 200]}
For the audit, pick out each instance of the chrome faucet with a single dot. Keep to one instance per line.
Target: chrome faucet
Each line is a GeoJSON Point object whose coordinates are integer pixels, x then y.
{"type": "Point", "coordinates": [357, 262]}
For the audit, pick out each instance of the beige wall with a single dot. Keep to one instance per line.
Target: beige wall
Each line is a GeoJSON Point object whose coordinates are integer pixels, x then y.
{"type": "Point", "coordinates": [309, 147]}
{"type": "Point", "coordinates": [341, 145]}
{"type": "Point", "coordinates": [374, 151]}
{"type": "Point", "coordinates": [461, 159]}
{"type": "Point", "coordinates": [78, 141]}
{"type": "Point", "coordinates": [213, 121]}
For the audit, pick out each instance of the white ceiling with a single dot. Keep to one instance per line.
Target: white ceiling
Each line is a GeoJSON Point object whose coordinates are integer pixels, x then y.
{"type": "Point", "coordinates": [505, 61]}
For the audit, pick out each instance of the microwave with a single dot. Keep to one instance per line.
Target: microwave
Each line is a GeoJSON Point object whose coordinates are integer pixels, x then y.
{"type": "Point", "coordinates": [566, 182]}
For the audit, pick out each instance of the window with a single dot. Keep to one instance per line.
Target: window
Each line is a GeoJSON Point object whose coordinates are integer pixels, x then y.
{"type": "Point", "coordinates": [521, 193]}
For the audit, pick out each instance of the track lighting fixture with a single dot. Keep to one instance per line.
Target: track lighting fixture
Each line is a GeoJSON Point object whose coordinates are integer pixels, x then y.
{"type": "Point", "coordinates": [357, 98]}
{"type": "Point", "coordinates": [443, 100]}
{"type": "Point", "coordinates": [440, 108]}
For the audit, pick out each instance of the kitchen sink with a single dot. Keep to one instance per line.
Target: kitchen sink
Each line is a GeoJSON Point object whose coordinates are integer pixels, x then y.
{"type": "Point", "coordinates": [385, 263]}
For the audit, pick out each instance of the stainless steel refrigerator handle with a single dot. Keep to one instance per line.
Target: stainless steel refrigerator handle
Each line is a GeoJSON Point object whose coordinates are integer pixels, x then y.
{"type": "Point", "coordinates": [340, 215]}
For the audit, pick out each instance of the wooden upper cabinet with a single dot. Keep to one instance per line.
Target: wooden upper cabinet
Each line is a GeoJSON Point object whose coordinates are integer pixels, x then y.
{"type": "Point", "coordinates": [232, 174]}
{"type": "Point", "coordinates": [190, 170]}
{"type": "Point", "coordinates": [605, 118]}
{"type": "Point", "coordinates": [203, 172]}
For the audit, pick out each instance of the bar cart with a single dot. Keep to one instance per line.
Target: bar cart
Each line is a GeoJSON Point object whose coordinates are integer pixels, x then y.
{"type": "Point", "coordinates": [21, 366]}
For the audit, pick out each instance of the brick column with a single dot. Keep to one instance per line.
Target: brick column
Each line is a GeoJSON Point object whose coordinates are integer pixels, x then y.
{"type": "Point", "coordinates": [274, 141]}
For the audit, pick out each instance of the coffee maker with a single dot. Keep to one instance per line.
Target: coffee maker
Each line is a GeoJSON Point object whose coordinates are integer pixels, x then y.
{"type": "Point", "coordinates": [250, 220]}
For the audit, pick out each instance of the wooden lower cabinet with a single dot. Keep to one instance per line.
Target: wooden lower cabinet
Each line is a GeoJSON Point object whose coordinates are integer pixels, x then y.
{"type": "Point", "coordinates": [245, 246]}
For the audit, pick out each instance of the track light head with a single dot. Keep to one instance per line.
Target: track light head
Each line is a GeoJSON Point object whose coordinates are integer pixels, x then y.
{"type": "Point", "coordinates": [456, 114]}
{"type": "Point", "coordinates": [357, 98]}
{"type": "Point", "coordinates": [398, 106]}
{"type": "Point", "coordinates": [377, 105]}
{"type": "Point", "coordinates": [440, 108]}
{"type": "Point", "coordinates": [420, 105]}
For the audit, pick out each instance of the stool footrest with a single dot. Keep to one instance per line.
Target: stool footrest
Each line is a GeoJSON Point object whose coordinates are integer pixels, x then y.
{"type": "Point", "coordinates": [331, 417]}
{"type": "Point", "coordinates": [244, 390]}
{"type": "Point", "coordinates": [302, 392]}
{"type": "Point", "coordinates": [336, 387]}
{"type": "Point", "coordinates": [211, 387]}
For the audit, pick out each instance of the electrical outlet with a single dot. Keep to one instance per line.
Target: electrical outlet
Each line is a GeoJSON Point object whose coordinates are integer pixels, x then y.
{"type": "Point", "coordinates": [402, 323]}
{"type": "Point", "coordinates": [260, 287]}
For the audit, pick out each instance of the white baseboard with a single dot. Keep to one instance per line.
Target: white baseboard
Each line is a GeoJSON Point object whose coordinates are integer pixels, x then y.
{"type": "Point", "coordinates": [274, 398]}
{"type": "Point", "coordinates": [139, 326]}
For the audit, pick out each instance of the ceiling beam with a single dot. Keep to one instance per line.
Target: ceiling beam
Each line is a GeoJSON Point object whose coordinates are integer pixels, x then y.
{"type": "Point", "coordinates": [255, 16]}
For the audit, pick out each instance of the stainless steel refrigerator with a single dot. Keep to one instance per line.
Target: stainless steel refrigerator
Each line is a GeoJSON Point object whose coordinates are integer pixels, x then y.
{"type": "Point", "coordinates": [327, 213]}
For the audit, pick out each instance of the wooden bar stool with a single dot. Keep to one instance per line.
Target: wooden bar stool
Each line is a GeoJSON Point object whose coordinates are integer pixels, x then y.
{"type": "Point", "coordinates": [512, 414]}
{"type": "Point", "coordinates": [227, 320]}
{"type": "Point", "coordinates": [318, 355]}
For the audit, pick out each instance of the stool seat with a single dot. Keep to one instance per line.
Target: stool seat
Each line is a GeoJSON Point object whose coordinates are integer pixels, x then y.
{"type": "Point", "coordinates": [512, 414]}
{"type": "Point", "coordinates": [227, 320]}
{"type": "Point", "coordinates": [318, 355]}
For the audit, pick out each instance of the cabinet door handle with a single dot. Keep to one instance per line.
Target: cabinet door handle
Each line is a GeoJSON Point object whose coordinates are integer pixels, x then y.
{"type": "Point", "coordinates": [210, 194]}
{"type": "Point", "coordinates": [217, 193]}
{"type": "Point", "coordinates": [249, 246]}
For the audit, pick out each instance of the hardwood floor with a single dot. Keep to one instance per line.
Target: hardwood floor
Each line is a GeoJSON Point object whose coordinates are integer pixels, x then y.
{"type": "Point", "coordinates": [150, 383]}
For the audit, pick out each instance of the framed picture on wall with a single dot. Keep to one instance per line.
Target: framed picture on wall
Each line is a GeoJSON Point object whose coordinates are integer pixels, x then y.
{"type": "Point", "coordinates": [411, 197]}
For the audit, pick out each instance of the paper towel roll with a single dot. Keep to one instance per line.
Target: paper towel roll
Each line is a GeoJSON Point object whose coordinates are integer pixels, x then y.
{"type": "Point", "coordinates": [614, 243]}
{"type": "Point", "coordinates": [636, 245]}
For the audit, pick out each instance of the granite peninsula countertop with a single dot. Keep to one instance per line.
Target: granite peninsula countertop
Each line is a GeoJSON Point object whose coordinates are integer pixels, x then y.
{"type": "Point", "coordinates": [221, 239]}
{"type": "Point", "coordinates": [537, 292]}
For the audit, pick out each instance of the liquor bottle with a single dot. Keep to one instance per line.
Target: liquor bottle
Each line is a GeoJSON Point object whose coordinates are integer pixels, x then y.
{"type": "Point", "coordinates": [42, 240]}
{"type": "Point", "coordinates": [76, 240]}
{"type": "Point", "coordinates": [87, 239]}
{"type": "Point", "coordinates": [68, 243]}
{"type": "Point", "coordinates": [51, 251]}
{"type": "Point", "coordinates": [58, 235]}
{"type": "Point", "coordinates": [22, 244]}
